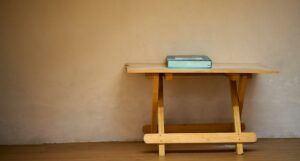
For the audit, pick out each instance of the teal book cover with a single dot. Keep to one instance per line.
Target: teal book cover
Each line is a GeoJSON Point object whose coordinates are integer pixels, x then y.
{"type": "Point", "coordinates": [189, 61]}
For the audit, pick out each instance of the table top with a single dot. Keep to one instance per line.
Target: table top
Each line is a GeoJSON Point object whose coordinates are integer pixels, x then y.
{"type": "Point", "coordinates": [249, 68]}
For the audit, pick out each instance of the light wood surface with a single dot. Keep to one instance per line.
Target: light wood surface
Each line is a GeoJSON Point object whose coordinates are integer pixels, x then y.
{"type": "Point", "coordinates": [155, 88]}
{"type": "Point", "coordinates": [161, 119]}
{"type": "Point", "coordinates": [236, 113]}
{"type": "Point", "coordinates": [217, 68]}
{"type": "Point", "coordinates": [183, 138]}
{"type": "Point", "coordinates": [263, 150]}
{"type": "Point", "coordinates": [196, 128]}
{"type": "Point", "coordinates": [242, 91]}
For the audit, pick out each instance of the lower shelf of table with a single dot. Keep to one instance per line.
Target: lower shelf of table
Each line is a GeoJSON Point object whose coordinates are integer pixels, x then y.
{"type": "Point", "coordinates": [198, 133]}
{"type": "Point", "coordinates": [177, 138]}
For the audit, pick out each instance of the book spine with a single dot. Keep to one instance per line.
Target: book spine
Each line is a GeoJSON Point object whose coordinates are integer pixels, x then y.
{"type": "Point", "coordinates": [189, 64]}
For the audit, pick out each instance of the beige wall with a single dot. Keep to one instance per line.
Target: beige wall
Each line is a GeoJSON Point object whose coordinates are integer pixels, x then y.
{"type": "Point", "coordinates": [62, 77]}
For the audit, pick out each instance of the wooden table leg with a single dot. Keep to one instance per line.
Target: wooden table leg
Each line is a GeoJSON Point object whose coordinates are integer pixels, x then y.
{"type": "Point", "coordinates": [157, 123]}
{"type": "Point", "coordinates": [161, 128]}
{"type": "Point", "coordinates": [155, 90]}
{"type": "Point", "coordinates": [242, 90]}
{"type": "Point", "coordinates": [236, 113]}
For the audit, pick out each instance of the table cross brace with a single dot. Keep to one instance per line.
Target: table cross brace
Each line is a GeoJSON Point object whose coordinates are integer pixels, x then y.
{"type": "Point", "coordinates": [158, 136]}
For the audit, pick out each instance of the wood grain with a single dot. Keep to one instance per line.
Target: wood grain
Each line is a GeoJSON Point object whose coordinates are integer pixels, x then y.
{"type": "Point", "coordinates": [236, 113]}
{"type": "Point", "coordinates": [155, 92]}
{"type": "Point", "coordinates": [263, 150]}
{"type": "Point", "coordinates": [217, 68]}
{"type": "Point", "coordinates": [161, 115]}
{"type": "Point", "coordinates": [177, 138]}
{"type": "Point", "coordinates": [242, 91]}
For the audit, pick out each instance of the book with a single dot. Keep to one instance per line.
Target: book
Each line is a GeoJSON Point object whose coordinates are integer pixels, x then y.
{"type": "Point", "coordinates": [189, 61]}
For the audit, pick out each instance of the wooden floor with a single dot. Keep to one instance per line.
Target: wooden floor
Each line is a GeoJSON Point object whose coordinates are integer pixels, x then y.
{"type": "Point", "coordinates": [263, 150]}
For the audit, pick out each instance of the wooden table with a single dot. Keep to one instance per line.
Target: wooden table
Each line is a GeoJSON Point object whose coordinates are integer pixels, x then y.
{"type": "Point", "coordinates": [159, 133]}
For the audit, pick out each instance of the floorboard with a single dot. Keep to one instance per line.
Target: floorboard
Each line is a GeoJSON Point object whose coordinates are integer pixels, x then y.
{"type": "Point", "coordinates": [263, 150]}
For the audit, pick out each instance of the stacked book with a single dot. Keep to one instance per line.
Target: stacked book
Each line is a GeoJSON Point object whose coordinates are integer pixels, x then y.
{"type": "Point", "coordinates": [189, 61]}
